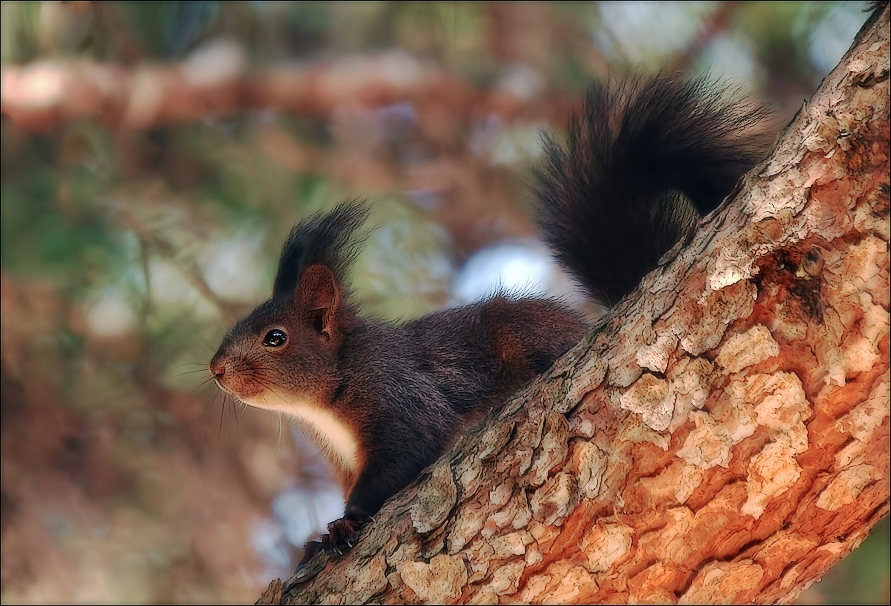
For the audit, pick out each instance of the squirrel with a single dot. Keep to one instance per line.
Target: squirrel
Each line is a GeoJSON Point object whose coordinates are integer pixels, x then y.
{"type": "Point", "coordinates": [642, 161]}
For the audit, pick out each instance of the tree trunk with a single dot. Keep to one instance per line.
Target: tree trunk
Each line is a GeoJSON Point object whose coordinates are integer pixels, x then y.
{"type": "Point", "coordinates": [722, 437]}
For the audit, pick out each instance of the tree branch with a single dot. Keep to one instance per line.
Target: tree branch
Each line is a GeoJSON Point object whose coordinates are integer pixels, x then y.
{"type": "Point", "coordinates": [44, 94]}
{"type": "Point", "coordinates": [723, 436]}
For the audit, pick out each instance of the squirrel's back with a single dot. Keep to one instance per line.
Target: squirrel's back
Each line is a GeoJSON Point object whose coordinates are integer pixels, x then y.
{"type": "Point", "coordinates": [384, 400]}
{"type": "Point", "coordinates": [642, 159]}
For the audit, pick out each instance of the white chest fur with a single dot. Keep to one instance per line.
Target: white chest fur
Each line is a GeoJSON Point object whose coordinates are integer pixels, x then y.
{"type": "Point", "coordinates": [334, 436]}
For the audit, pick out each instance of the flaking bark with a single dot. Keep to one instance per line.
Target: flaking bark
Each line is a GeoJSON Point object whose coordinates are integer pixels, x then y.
{"type": "Point", "coordinates": [722, 437]}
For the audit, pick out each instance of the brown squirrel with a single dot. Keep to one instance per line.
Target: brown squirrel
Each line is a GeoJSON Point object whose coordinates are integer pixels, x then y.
{"type": "Point", "coordinates": [641, 162]}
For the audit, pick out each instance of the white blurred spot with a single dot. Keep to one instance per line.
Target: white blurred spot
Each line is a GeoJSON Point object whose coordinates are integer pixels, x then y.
{"type": "Point", "coordinates": [168, 284]}
{"type": "Point", "coordinates": [522, 81]}
{"type": "Point", "coordinates": [111, 315]}
{"type": "Point", "coordinates": [507, 145]}
{"type": "Point", "coordinates": [734, 57]}
{"type": "Point", "coordinates": [515, 267]}
{"type": "Point", "coordinates": [214, 63]}
{"type": "Point", "coordinates": [832, 36]}
{"type": "Point", "coordinates": [400, 69]}
{"type": "Point", "coordinates": [305, 511]}
{"type": "Point", "coordinates": [235, 271]}
{"type": "Point", "coordinates": [40, 84]}
{"type": "Point", "coordinates": [629, 29]}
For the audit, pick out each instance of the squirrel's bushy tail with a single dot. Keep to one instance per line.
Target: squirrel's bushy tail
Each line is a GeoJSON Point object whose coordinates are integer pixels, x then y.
{"type": "Point", "coordinates": [641, 161]}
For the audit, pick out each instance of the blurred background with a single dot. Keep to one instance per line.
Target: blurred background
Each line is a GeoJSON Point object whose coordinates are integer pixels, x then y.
{"type": "Point", "coordinates": [154, 156]}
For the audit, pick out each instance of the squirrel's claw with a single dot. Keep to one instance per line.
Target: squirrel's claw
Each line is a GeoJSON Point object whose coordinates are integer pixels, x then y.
{"type": "Point", "coordinates": [343, 534]}
{"type": "Point", "coordinates": [310, 565]}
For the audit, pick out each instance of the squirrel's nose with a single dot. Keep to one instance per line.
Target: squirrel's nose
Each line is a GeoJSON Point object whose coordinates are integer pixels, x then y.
{"type": "Point", "coordinates": [217, 369]}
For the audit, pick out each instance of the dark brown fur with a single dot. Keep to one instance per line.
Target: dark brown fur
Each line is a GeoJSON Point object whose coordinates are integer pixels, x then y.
{"type": "Point", "coordinates": [641, 159]}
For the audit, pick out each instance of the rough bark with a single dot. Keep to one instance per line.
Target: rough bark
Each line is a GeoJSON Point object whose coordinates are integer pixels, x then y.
{"type": "Point", "coordinates": [724, 436]}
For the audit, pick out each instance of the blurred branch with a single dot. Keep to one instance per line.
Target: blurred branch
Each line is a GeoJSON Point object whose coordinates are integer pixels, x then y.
{"type": "Point", "coordinates": [711, 28]}
{"type": "Point", "coordinates": [42, 95]}
{"type": "Point", "coordinates": [150, 239]}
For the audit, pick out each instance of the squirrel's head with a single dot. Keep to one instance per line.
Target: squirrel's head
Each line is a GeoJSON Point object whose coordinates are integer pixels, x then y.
{"type": "Point", "coordinates": [285, 353]}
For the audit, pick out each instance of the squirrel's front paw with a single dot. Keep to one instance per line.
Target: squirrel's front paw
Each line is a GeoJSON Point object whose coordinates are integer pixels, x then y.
{"type": "Point", "coordinates": [344, 533]}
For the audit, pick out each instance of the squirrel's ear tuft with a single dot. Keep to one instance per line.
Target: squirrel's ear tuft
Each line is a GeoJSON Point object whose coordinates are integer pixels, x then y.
{"type": "Point", "coordinates": [318, 298]}
{"type": "Point", "coordinates": [323, 239]}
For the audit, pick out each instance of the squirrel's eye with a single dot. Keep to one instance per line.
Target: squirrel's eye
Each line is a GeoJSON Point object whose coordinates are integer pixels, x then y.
{"type": "Point", "coordinates": [275, 338]}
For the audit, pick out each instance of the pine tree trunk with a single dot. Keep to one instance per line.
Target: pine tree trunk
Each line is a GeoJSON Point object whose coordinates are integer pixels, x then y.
{"type": "Point", "coordinates": [723, 437]}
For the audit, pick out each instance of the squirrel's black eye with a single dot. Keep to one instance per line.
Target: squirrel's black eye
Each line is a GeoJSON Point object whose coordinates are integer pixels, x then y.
{"type": "Point", "coordinates": [275, 338]}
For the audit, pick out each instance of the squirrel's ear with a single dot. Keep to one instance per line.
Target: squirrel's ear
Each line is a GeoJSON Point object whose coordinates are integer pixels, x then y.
{"type": "Point", "coordinates": [319, 295]}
